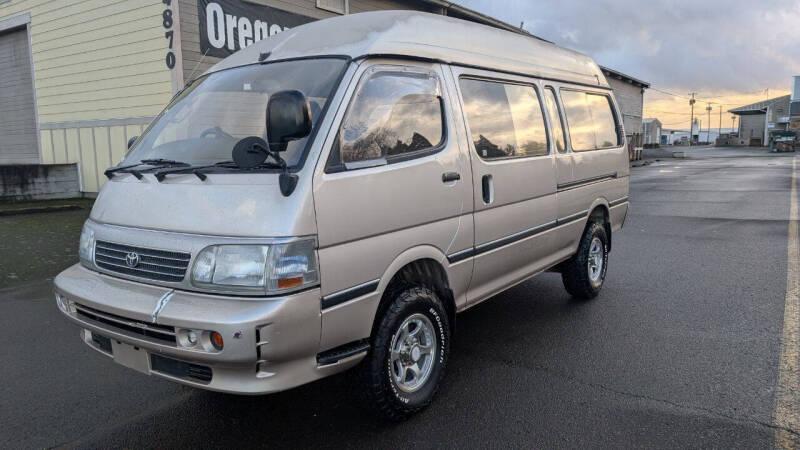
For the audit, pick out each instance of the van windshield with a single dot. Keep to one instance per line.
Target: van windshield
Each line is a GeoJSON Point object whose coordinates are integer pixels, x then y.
{"type": "Point", "coordinates": [205, 121]}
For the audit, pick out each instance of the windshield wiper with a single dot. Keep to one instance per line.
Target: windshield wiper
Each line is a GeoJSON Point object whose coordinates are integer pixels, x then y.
{"type": "Point", "coordinates": [196, 170]}
{"type": "Point", "coordinates": [109, 173]}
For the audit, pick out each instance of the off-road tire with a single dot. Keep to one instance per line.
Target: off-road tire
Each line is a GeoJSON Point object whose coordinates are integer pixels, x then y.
{"type": "Point", "coordinates": [575, 271]}
{"type": "Point", "coordinates": [374, 384]}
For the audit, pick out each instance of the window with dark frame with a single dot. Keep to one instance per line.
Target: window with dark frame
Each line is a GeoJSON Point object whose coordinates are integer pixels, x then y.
{"type": "Point", "coordinates": [556, 121]}
{"type": "Point", "coordinates": [590, 120]}
{"type": "Point", "coordinates": [394, 115]}
{"type": "Point", "coordinates": [506, 120]}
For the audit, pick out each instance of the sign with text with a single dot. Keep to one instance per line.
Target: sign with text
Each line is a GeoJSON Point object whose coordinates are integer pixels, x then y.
{"type": "Point", "coordinates": [227, 26]}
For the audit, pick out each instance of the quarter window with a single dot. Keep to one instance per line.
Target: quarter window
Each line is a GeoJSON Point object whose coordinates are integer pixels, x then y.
{"type": "Point", "coordinates": [605, 131]}
{"type": "Point", "coordinates": [393, 114]}
{"type": "Point", "coordinates": [590, 121]}
{"type": "Point", "coordinates": [506, 120]}
{"type": "Point", "coordinates": [555, 120]}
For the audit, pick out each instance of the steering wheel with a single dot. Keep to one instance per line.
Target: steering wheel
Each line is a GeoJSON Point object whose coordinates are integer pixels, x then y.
{"type": "Point", "coordinates": [216, 132]}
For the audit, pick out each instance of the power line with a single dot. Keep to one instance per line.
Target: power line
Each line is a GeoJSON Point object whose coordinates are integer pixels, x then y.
{"type": "Point", "coordinates": [706, 99]}
{"type": "Point", "coordinates": [669, 93]}
{"type": "Point", "coordinates": [734, 95]}
{"type": "Point", "coordinates": [667, 112]}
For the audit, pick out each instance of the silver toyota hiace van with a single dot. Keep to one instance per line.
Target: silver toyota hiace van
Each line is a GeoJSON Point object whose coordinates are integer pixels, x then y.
{"type": "Point", "coordinates": [330, 197]}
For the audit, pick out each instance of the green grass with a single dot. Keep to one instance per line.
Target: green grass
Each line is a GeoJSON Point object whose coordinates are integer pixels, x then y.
{"type": "Point", "coordinates": [38, 246]}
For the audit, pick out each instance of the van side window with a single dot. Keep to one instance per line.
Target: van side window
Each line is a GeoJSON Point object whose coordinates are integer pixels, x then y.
{"type": "Point", "coordinates": [506, 120]}
{"type": "Point", "coordinates": [590, 121]}
{"type": "Point", "coordinates": [394, 114]}
{"type": "Point", "coordinates": [605, 132]}
{"type": "Point", "coordinates": [556, 125]}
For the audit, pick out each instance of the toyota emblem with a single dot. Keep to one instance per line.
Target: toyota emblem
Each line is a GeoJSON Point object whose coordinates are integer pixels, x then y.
{"type": "Point", "coordinates": [132, 259]}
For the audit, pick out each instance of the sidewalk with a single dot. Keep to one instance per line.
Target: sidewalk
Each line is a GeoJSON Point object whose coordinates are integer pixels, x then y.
{"type": "Point", "coordinates": [706, 151]}
{"type": "Point", "coordinates": [40, 206]}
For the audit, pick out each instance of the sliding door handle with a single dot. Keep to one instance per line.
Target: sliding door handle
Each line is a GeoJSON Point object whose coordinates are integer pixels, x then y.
{"type": "Point", "coordinates": [448, 177]}
{"type": "Point", "coordinates": [487, 185]}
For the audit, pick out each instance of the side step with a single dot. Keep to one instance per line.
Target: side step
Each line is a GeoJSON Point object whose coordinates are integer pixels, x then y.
{"type": "Point", "coordinates": [341, 352]}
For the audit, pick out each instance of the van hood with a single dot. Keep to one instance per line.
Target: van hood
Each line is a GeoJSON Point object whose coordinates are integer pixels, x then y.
{"type": "Point", "coordinates": [235, 205]}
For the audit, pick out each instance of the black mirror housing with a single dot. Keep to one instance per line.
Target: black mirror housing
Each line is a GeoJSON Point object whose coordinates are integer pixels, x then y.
{"type": "Point", "coordinates": [288, 118]}
{"type": "Point", "coordinates": [131, 141]}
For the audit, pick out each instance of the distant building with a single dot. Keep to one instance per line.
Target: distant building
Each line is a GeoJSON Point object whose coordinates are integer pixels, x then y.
{"type": "Point", "coordinates": [794, 106]}
{"type": "Point", "coordinates": [758, 119]}
{"type": "Point", "coordinates": [651, 131]}
{"type": "Point", "coordinates": [674, 137]}
{"type": "Point", "coordinates": [670, 137]}
{"type": "Point", "coordinates": [629, 93]}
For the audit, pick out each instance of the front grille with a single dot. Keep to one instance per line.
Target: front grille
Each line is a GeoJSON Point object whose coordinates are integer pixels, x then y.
{"type": "Point", "coordinates": [161, 333]}
{"type": "Point", "coordinates": [160, 265]}
{"type": "Point", "coordinates": [180, 369]}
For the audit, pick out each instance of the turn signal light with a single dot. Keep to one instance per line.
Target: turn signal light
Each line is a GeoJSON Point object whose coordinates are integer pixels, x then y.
{"type": "Point", "coordinates": [286, 283]}
{"type": "Point", "coordinates": [216, 340]}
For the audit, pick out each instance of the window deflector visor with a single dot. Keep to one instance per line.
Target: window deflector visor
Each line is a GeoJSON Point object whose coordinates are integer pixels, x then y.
{"type": "Point", "coordinates": [369, 126]}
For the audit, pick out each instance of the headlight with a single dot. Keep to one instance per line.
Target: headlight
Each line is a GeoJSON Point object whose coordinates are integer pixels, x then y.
{"type": "Point", "coordinates": [86, 247]}
{"type": "Point", "coordinates": [258, 268]}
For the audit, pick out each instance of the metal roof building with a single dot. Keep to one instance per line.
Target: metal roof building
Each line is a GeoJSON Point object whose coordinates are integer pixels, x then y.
{"type": "Point", "coordinates": [756, 120]}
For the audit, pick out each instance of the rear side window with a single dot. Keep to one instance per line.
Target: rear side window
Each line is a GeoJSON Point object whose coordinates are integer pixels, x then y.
{"type": "Point", "coordinates": [605, 131]}
{"type": "Point", "coordinates": [556, 126]}
{"type": "Point", "coordinates": [393, 114]}
{"type": "Point", "coordinates": [505, 120]}
{"type": "Point", "coordinates": [590, 121]}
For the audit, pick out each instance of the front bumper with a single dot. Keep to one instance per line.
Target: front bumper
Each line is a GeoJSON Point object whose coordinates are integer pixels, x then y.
{"type": "Point", "coordinates": [270, 344]}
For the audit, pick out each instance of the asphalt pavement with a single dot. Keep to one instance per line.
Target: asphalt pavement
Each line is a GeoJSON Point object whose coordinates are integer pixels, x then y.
{"type": "Point", "coordinates": [681, 349]}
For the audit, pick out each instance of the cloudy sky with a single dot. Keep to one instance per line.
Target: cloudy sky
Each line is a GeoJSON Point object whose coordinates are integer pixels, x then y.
{"type": "Point", "coordinates": [728, 51]}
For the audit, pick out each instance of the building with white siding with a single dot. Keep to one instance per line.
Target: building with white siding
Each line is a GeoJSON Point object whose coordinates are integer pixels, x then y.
{"type": "Point", "coordinates": [79, 78]}
{"type": "Point", "coordinates": [651, 131]}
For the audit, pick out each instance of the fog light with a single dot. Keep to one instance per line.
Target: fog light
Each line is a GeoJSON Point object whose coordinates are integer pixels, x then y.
{"type": "Point", "coordinates": [191, 336]}
{"type": "Point", "coordinates": [65, 304]}
{"type": "Point", "coordinates": [61, 301]}
{"type": "Point", "coordinates": [216, 340]}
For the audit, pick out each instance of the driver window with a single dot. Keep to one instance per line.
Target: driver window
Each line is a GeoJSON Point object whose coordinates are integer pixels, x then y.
{"type": "Point", "coordinates": [394, 114]}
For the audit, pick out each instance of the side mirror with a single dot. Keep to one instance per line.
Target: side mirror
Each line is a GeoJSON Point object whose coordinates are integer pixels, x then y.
{"type": "Point", "coordinates": [131, 141]}
{"type": "Point", "coordinates": [288, 118]}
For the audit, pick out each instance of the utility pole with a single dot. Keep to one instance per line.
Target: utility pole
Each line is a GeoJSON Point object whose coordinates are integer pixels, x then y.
{"type": "Point", "coordinates": [719, 131]}
{"type": "Point", "coordinates": [691, 121]}
{"type": "Point", "coordinates": [708, 127]}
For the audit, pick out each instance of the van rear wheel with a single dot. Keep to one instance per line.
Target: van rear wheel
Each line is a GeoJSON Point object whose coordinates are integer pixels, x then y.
{"type": "Point", "coordinates": [583, 274]}
{"type": "Point", "coordinates": [406, 362]}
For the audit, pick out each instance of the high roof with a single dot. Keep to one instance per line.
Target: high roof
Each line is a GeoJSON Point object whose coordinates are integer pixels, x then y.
{"type": "Point", "coordinates": [427, 36]}
{"type": "Point", "coordinates": [759, 107]}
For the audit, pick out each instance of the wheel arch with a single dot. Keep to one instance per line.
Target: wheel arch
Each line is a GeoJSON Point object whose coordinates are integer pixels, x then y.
{"type": "Point", "coordinates": [421, 266]}
{"type": "Point", "coordinates": [600, 211]}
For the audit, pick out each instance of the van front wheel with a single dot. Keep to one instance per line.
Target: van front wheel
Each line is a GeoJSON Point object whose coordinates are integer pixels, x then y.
{"type": "Point", "coordinates": [406, 362]}
{"type": "Point", "coordinates": [584, 273]}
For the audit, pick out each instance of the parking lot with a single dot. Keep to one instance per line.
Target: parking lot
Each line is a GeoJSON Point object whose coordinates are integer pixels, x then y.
{"type": "Point", "coordinates": [681, 349]}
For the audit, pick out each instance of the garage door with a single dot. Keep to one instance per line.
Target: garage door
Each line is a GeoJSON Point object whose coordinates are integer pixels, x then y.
{"type": "Point", "coordinates": [18, 143]}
